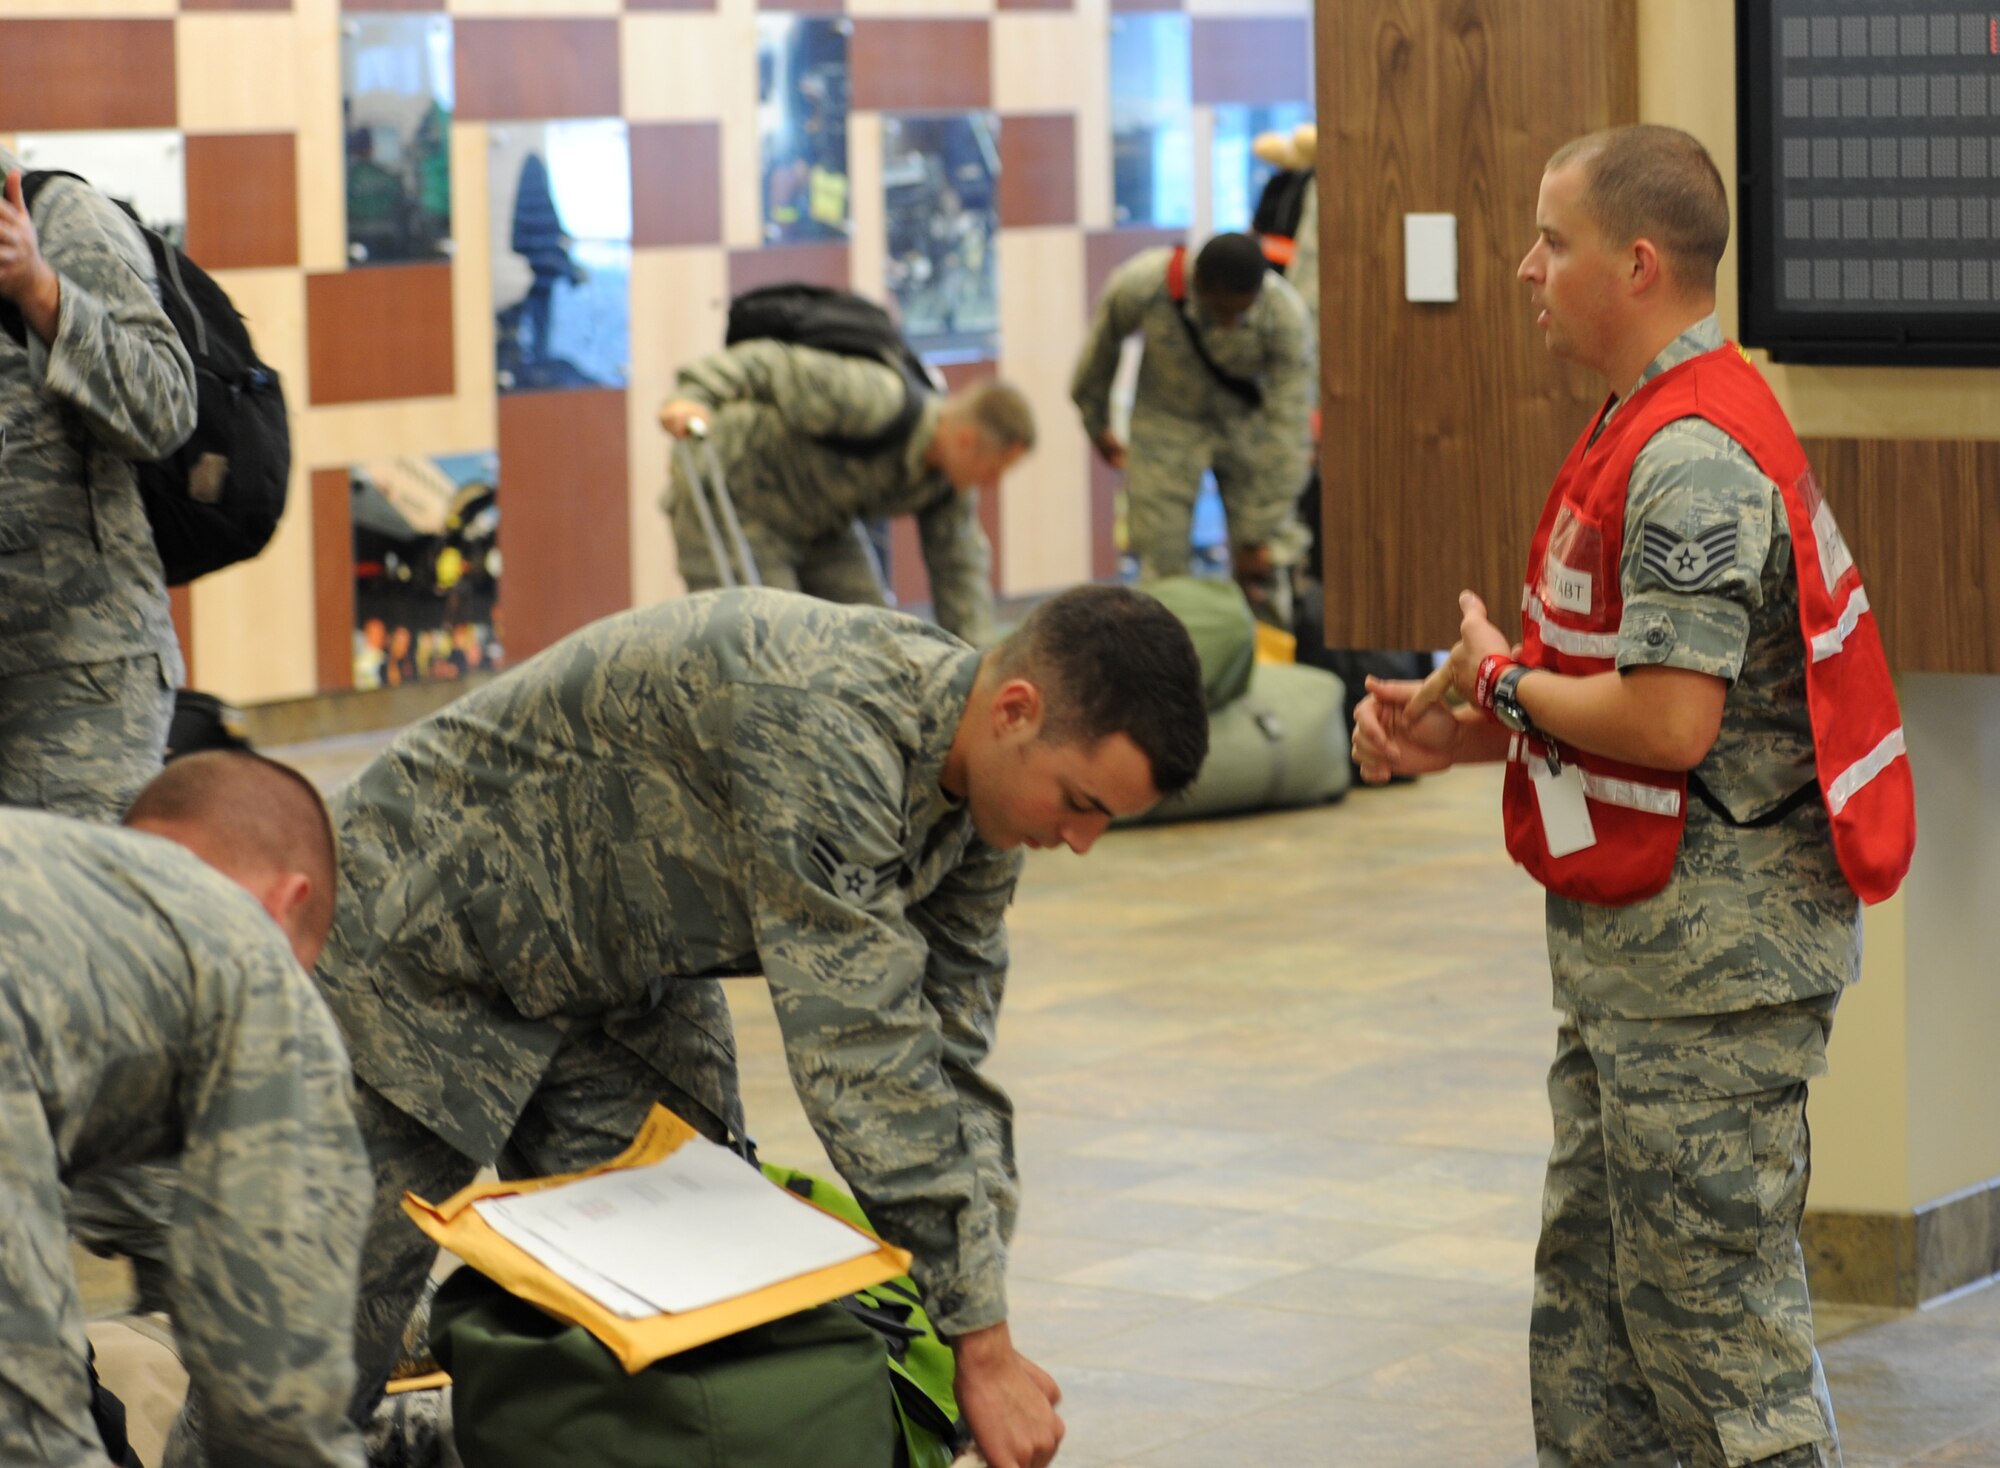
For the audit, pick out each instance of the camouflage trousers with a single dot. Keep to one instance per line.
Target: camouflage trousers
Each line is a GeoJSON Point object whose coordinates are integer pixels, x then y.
{"type": "Point", "coordinates": [839, 566]}
{"type": "Point", "coordinates": [1163, 476]}
{"type": "Point", "coordinates": [1671, 1320]}
{"type": "Point", "coordinates": [82, 739]}
{"type": "Point", "coordinates": [586, 1109]}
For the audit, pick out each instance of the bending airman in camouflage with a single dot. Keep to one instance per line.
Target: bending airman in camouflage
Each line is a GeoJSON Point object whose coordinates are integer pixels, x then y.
{"type": "Point", "coordinates": [152, 1005]}
{"type": "Point", "coordinates": [809, 445]}
{"type": "Point", "coordinates": [1253, 430]}
{"type": "Point", "coordinates": [92, 377]}
{"type": "Point", "coordinates": [1671, 1323]}
{"type": "Point", "coordinates": [542, 883]}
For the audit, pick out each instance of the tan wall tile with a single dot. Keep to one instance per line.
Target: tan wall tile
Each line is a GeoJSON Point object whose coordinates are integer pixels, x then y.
{"type": "Point", "coordinates": [679, 298]}
{"type": "Point", "coordinates": [690, 67]}
{"type": "Point", "coordinates": [1048, 62]}
{"type": "Point", "coordinates": [868, 256]}
{"type": "Point", "coordinates": [321, 148]}
{"type": "Point", "coordinates": [1045, 503]}
{"type": "Point", "coordinates": [920, 7]}
{"type": "Point", "coordinates": [254, 625]}
{"type": "Point", "coordinates": [239, 73]}
{"type": "Point", "coordinates": [1092, 104]}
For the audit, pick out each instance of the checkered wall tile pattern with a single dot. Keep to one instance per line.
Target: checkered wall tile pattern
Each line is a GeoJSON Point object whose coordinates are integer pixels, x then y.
{"type": "Point", "coordinates": [398, 359]}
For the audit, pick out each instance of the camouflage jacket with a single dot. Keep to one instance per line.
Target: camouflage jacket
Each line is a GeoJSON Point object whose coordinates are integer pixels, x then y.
{"type": "Point", "coordinates": [150, 1010]}
{"type": "Point", "coordinates": [733, 783]}
{"type": "Point", "coordinates": [80, 581]}
{"type": "Point", "coordinates": [775, 407]}
{"type": "Point", "coordinates": [1178, 397]}
{"type": "Point", "coordinates": [1752, 916]}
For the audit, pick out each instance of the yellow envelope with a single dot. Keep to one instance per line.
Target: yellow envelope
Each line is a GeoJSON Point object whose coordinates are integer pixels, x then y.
{"type": "Point", "coordinates": [457, 1226]}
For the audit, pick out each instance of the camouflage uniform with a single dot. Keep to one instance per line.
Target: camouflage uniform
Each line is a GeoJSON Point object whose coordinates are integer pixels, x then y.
{"type": "Point", "coordinates": [1184, 422]}
{"type": "Point", "coordinates": [149, 1008]}
{"type": "Point", "coordinates": [1303, 272]}
{"type": "Point", "coordinates": [541, 884]}
{"type": "Point", "coordinates": [1671, 1318]}
{"type": "Point", "coordinates": [773, 408]}
{"type": "Point", "coordinates": [88, 656]}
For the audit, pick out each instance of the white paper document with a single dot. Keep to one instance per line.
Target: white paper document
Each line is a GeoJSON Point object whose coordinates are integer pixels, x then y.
{"type": "Point", "coordinates": [699, 1227]}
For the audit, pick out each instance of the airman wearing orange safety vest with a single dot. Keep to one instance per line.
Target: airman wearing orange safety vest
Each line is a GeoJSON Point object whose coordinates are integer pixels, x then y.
{"type": "Point", "coordinates": [1705, 770]}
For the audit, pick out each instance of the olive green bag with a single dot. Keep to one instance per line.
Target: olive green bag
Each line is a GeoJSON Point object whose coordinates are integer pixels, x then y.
{"type": "Point", "coordinates": [863, 1382]}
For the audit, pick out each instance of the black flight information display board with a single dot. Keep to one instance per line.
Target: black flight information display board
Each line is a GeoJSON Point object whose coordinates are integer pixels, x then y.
{"type": "Point", "coordinates": [1869, 180]}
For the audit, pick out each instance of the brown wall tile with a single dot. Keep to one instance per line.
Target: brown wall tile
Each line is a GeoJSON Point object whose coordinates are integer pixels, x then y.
{"type": "Point", "coordinates": [1262, 59]}
{"type": "Point", "coordinates": [287, 5]}
{"type": "Point", "coordinates": [676, 183]}
{"type": "Point", "coordinates": [385, 4]}
{"type": "Point", "coordinates": [537, 68]}
{"type": "Point", "coordinates": [1105, 250]}
{"type": "Point", "coordinates": [333, 577]}
{"type": "Point", "coordinates": [1037, 170]}
{"type": "Point", "coordinates": [379, 332]}
{"type": "Point", "coordinates": [564, 532]}
{"type": "Point", "coordinates": [1146, 4]}
{"type": "Point", "coordinates": [816, 264]}
{"type": "Point", "coordinates": [803, 7]}
{"type": "Point", "coordinates": [242, 200]}
{"type": "Point", "coordinates": [670, 4]}
{"type": "Point", "coordinates": [67, 75]}
{"type": "Point", "coordinates": [180, 602]}
{"type": "Point", "coordinates": [913, 65]}
{"type": "Point", "coordinates": [1035, 5]}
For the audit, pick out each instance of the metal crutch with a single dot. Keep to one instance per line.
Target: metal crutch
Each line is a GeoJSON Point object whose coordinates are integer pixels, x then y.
{"type": "Point", "coordinates": [716, 487]}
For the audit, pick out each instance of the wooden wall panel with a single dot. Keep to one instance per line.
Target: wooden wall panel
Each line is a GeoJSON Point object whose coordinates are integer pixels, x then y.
{"type": "Point", "coordinates": [333, 577]}
{"type": "Point", "coordinates": [921, 65]}
{"type": "Point", "coordinates": [1445, 424]}
{"type": "Point", "coordinates": [564, 522]}
{"type": "Point", "coordinates": [1252, 59]}
{"type": "Point", "coordinates": [68, 75]}
{"type": "Point", "coordinates": [676, 183]}
{"type": "Point", "coordinates": [1037, 170]}
{"type": "Point", "coordinates": [379, 333]}
{"type": "Point", "coordinates": [535, 69]}
{"type": "Point", "coordinates": [243, 200]}
{"type": "Point", "coordinates": [1922, 517]}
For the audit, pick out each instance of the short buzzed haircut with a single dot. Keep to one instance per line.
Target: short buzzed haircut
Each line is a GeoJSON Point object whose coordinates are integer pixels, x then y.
{"type": "Point", "coordinates": [1000, 412]}
{"type": "Point", "coordinates": [1110, 660]}
{"type": "Point", "coordinates": [259, 811]}
{"type": "Point", "coordinates": [1655, 183]}
{"type": "Point", "coordinates": [1231, 263]}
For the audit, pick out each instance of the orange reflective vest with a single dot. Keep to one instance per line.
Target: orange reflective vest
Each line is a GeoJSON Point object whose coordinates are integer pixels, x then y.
{"type": "Point", "coordinates": [1573, 604]}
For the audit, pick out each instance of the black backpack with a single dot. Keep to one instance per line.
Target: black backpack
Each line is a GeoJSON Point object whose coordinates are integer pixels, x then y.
{"type": "Point", "coordinates": [842, 322]}
{"type": "Point", "coordinates": [216, 499]}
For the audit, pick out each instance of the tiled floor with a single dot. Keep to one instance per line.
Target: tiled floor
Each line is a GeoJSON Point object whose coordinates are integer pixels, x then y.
{"type": "Point", "coordinates": [1281, 1127]}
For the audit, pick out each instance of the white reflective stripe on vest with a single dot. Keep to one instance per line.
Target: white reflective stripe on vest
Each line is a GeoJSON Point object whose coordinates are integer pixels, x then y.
{"type": "Point", "coordinates": [1835, 638]}
{"type": "Point", "coordinates": [1608, 789]}
{"type": "Point", "coordinates": [1568, 639]}
{"type": "Point", "coordinates": [1632, 795]}
{"type": "Point", "coordinates": [1850, 780]}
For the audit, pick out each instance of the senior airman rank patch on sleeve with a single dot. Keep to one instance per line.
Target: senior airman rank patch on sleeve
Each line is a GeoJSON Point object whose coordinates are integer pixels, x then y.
{"type": "Point", "coordinates": [1688, 562]}
{"type": "Point", "coordinates": [851, 881]}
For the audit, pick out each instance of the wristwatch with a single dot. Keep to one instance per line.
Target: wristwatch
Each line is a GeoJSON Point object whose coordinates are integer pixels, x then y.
{"type": "Point", "coordinates": [1507, 705]}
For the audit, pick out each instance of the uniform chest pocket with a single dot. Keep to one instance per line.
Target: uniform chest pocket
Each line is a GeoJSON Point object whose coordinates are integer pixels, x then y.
{"type": "Point", "coordinates": [1576, 575]}
{"type": "Point", "coordinates": [522, 954]}
{"type": "Point", "coordinates": [25, 603]}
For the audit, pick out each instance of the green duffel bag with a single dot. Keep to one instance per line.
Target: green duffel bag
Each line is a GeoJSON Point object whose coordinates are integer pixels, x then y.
{"type": "Point", "coordinates": [1283, 743]}
{"type": "Point", "coordinates": [1218, 618]}
{"type": "Point", "coordinates": [821, 1389]}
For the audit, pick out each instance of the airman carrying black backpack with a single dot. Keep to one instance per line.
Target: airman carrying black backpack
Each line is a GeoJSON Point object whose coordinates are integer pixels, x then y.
{"type": "Point", "coordinates": [216, 499]}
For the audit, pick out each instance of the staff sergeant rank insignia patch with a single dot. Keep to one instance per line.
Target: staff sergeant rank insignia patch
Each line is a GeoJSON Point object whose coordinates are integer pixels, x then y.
{"type": "Point", "coordinates": [1688, 562]}
{"type": "Point", "coordinates": [851, 881]}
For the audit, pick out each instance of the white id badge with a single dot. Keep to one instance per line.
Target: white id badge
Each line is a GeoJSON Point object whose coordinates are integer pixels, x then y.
{"type": "Point", "coordinates": [1565, 818]}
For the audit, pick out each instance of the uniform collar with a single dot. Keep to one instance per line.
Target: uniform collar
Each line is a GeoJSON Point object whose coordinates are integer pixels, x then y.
{"type": "Point", "coordinates": [950, 689]}
{"type": "Point", "coordinates": [1698, 340]}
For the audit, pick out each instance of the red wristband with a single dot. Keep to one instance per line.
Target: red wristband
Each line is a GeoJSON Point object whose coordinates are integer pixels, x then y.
{"type": "Point", "coordinates": [1490, 668]}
